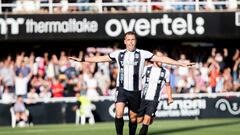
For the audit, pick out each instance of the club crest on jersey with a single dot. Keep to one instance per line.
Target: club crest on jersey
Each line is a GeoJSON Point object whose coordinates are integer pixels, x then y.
{"type": "Point", "coordinates": [136, 56]}
{"type": "Point", "coordinates": [162, 74]}
{"type": "Point", "coordinates": [121, 62]}
{"type": "Point", "coordinates": [148, 79]}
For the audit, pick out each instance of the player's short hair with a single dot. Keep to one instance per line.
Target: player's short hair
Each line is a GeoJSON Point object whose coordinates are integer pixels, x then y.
{"type": "Point", "coordinates": [130, 33]}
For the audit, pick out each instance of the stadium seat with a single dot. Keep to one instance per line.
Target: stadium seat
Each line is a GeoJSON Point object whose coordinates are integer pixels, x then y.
{"type": "Point", "coordinates": [85, 112]}
{"type": "Point", "coordinates": [13, 119]}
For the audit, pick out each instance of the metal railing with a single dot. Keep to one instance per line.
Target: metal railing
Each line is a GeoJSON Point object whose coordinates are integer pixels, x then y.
{"type": "Point", "coordinates": [34, 6]}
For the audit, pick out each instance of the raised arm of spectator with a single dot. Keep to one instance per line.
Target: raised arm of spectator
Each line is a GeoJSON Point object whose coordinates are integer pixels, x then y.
{"type": "Point", "coordinates": [170, 61]}
{"type": "Point", "coordinates": [236, 55]}
{"type": "Point", "coordinates": [214, 64]}
{"type": "Point", "coordinates": [93, 59]}
{"type": "Point", "coordinates": [29, 75]}
{"type": "Point", "coordinates": [235, 67]}
{"type": "Point", "coordinates": [225, 52]}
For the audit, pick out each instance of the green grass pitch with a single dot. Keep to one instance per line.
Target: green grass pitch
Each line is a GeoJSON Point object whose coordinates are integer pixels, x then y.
{"type": "Point", "coordinates": [159, 127]}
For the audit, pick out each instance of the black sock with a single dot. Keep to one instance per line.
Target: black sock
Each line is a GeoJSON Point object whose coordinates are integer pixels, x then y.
{"type": "Point", "coordinates": [119, 125]}
{"type": "Point", "coordinates": [17, 121]}
{"type": "Point", "coordinates": [144, 130]}
{"type": "Point", "coordinates": [132, 128]}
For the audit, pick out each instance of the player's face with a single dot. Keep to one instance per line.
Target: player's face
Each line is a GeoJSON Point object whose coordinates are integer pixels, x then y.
{"type": "Point", "coordinates": [130, 42]}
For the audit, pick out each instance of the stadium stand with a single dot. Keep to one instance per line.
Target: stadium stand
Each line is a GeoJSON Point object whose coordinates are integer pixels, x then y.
{"type": "Point", "coordinates": [99, 6]}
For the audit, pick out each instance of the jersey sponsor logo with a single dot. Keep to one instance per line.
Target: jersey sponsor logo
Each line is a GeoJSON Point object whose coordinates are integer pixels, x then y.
{"type": "Point", "coordinates": [136, 56]}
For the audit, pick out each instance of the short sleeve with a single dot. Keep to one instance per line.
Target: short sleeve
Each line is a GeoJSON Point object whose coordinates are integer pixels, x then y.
{"type": "Point", "coordinates": [146, 54]}
{"type": "Point", "coordinates": [113, 55]}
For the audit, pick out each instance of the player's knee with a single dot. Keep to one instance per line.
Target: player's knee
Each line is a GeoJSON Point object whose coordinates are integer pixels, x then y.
{"type": "Point", "coordinates": [119, 115]}
{"type": "Point", "coordinates": [133, 119]}
{"type": "Point", "coordinates": [147, 121]}
{"type": "Point", "coordinates": [139, 120]}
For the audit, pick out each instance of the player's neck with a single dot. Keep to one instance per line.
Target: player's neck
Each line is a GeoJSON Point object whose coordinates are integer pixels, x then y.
{"type": "Point", "coordinates": [131, 50]}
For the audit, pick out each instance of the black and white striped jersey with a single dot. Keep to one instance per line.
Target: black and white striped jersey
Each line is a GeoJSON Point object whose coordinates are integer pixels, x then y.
{"type": "Point", "coordinates": [154, 80]}
{"type": "Point", "coordinates": [130, 67]}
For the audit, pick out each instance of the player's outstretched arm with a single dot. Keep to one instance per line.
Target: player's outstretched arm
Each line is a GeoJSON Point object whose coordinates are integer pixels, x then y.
{"type": "Point", "coordinates": [170, 61]}
{"type": "Point", "coordinates": [93, 59]}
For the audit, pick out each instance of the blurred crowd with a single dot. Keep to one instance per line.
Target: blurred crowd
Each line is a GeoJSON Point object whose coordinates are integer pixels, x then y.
{"type": "Point", "coordinates": [69, 6]}
{"type": "Point", "coordinates": [53, 75]}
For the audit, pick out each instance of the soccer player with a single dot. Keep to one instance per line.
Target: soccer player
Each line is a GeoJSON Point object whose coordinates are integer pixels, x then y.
{"type": "Point", "coordinates": [155, 79]}
{"type": "Point", "coordinates": [130, 63]}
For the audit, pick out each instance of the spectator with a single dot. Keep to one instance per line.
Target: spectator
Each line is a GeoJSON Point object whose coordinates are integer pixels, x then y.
{"type": "Point", "coordinates": [209, 6]}
{"type": "Point", "coordinates": [183, 76]}
{"type": "Point", "coordinates": [92, 88]}
{"type": "Point", "coordinates": [189, 7]}
{"type": "Point", "coordinates": [45, 90]}
{"type": "Point", "coordinates": [53, 67]}
{"type": "Point", "coordinates": [214, 71]}
{"type": "Point", "coordinates": [19, 59]}
{"type": "Point", "coordinates": [20, 109]}
{"type": "Point", "coordinates": [44, 9]}
{"type": "Point", "coordinates": [21, 84]}
{"type": "Point", "coordinates": [232, 5]}
{"type": "Point", "coordinates": [103, 66]}
{"type": "Point", "coordinates": [113, 75]}
{"type": "Point", "coordinates": [220, 6]}
{"type": "Point", "coordinates": [183, 71]}
{"type": "Point", "coordinates": [200, 86]}
{"type": "Point", "coordinates": [204, 73]}
{"type": "Point", "coordinates": [72, 8]}
{"type": "Point", "coordinates": [32, 96]}
{"type": "Point", "coordinates": [220, 59]}
{"type": "Point", "coordinates": [8, 74]}
{"type": "Point", "coordinates": [103, 82]}
{"type": "Point", "coordinates": [57, 88]}
{"type": "Point", "coordinates": [81, 85]}
{"type": "Point", "coordinates": [7, 97]}
{"type": "Point", "coordinates": [219, 84]}
{"type": "Point", "coordinates": [37, 82]}
{"type": "Point", "coordinates": [63, 62]}
{"type": "Point", "coordinates": [71, 82]}
{"type": "Point", "coordinates": [85, 108]}
{"type": "Point", "coordinates": [28, 6]}
{"type": "Point", "coordinates": [83, 8]}
{"type": "Point", "coordinates": [236, 75]}
{"type": "Point", "coordinates": [23, 69]}
{"type": "Point", "coordinates": [228, 85]}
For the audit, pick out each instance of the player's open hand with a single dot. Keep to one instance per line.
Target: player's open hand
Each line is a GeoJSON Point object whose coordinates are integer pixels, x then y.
{"type": "Point", "coordinates": [190, 64]}
{"type": "Point", "coordinates": [75, 59]}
